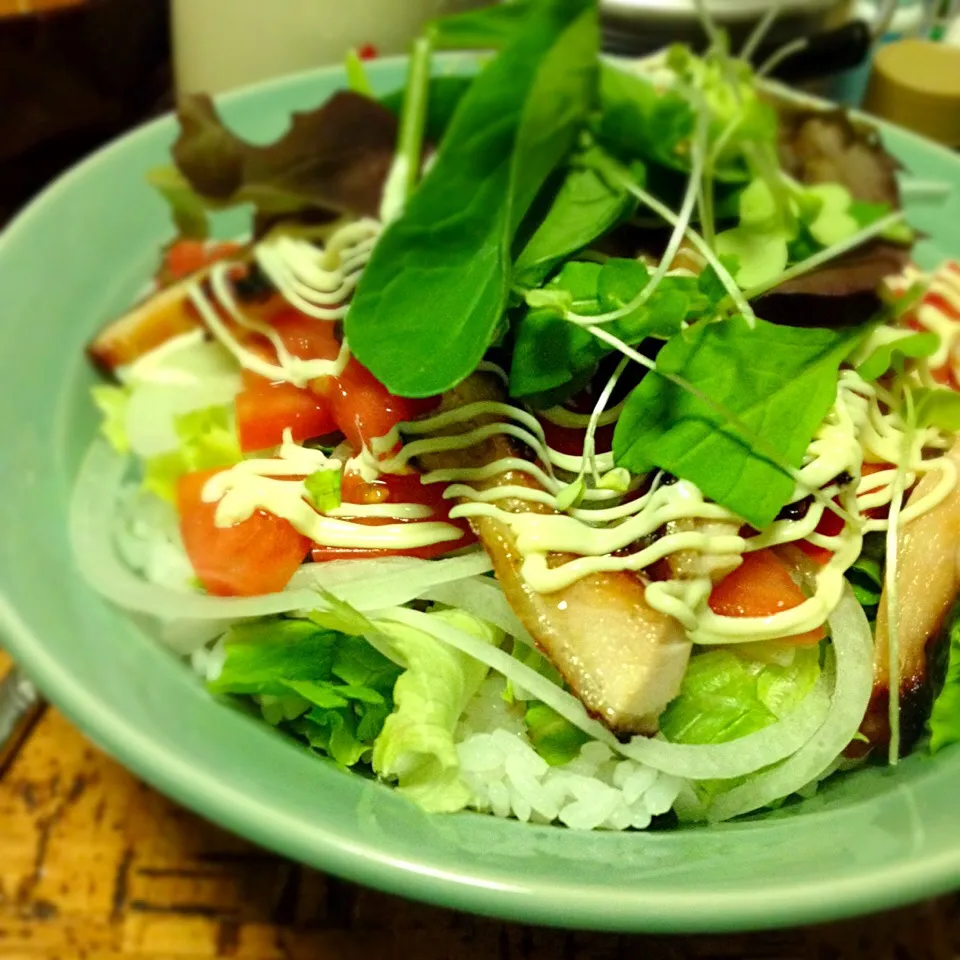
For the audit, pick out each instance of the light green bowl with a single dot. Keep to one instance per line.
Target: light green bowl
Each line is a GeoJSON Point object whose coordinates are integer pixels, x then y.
{"type": "Point", "coordinates": [75, 258]}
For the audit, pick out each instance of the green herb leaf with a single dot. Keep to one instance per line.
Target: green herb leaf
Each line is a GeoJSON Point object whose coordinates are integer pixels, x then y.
{"type": "Point", "coordinates": [323, 488]}
{"type": "Point", "coordinates": [762, 255]}
{"type": "Point", "coordinates": [780, 382]}
{"type": "Point", "coordinates": [588, 204]}
{"type": "Point", "coordinates": [551, 352]}
{"type": "Point", "coordinates": [620, 282]}
{"type": "Point", "coordinates": [435, 290]}
{"type": "Point", "coordinates": [910, 345]}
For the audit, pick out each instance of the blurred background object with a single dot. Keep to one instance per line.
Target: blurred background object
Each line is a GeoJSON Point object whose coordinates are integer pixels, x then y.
{"type": "Point", "coordinates": [916, 83]}
{"type": "Point", "coordinates": [220, 44]}
{"type": "Point", "coordinates": [73, 73]}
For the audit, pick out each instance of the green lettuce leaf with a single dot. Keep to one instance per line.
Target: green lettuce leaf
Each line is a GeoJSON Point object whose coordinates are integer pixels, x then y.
{"type": "Point", "coordinates": [112, 402]}
{"type": "Point", "coordinates": [944, 723]}
{"type": "Point", "coordinates": [780, 382]}
{"type": "Point", "coordinates": [208, 439]}
{"type": "Point", "coordinates": [332, 689]}
{"type": "Point", "coordinates": [416, 746]}
{"type": "Point", "coordinates": [725, 696]}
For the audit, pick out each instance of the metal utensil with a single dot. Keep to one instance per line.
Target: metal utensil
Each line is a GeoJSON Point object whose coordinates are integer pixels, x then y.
{"type": "Point", "coordinates": [20, 708]}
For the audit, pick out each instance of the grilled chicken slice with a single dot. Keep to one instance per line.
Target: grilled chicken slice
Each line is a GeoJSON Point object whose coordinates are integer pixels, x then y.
{"type": "Point", "coordinates": [622, 658]}
{"type": "Point", "coordinates": [928, 581]}
{"type": "Point", "coordinates": [149, 324]}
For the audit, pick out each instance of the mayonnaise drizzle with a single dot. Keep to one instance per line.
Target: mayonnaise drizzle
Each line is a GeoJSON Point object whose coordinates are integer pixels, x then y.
{"type": "Point", "coordinates": [318, 281]}
{"type": "Point", "coordinates": [276, 485]}
{"type": "Point", "coordinates": [631, 534]}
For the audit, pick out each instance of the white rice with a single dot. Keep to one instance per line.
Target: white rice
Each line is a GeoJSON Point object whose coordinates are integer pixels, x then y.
{"type": "Point", "coordinates": [507, 777]}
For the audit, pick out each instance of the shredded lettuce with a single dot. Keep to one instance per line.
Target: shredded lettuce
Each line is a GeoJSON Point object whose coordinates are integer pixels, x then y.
{"type": "Point", "coordinates": [208, 439]}
{"type": "Point", "coordinates": [112, 402]}
{"type": "Point", "coordinates": [332, 689]}
{"type": "Point", "coordinates": [724, 696]}
{"type": "Point", "coordinates": [416, 746]}
{"type": "Point", "coordinates": [944, 723]}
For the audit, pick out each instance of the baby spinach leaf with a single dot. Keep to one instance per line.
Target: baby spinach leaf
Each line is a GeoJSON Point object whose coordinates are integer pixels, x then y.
{"type": "Point", "coordinates": [550, 352]}
{"type": "Point", "coordinates": [911, 345]}
{"type": "Point", "coordinates": [779, 382]}
{"type": "Point", "coordinates": [588, 204]}
{"type": "Point", "coordinates": [437, 285]}
{"type": "Point", "coordinates": [620, 281]}
{"type": "Point", "coordinates": [490, 28]}
{"type": "Point", "coordinates": [637, 120]}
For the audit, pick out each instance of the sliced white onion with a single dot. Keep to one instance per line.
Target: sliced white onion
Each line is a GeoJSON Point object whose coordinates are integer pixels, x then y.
{"type": "Point", "coordinates": [736, 758]}
{"type": "Point", "coordinates": [371, 584]}
{"type": "Point", "coordinates": [543, 689]}
{"type": "Point", "coordinates": [853, 648]}
{"type": "Point", "coordinates": [388, 581]}
{"type": "Point", "coordinates": [483, 598]}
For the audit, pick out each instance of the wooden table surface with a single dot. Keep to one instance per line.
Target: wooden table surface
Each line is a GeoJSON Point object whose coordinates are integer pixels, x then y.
{"type": "Point", "coordinates": [95, 864]}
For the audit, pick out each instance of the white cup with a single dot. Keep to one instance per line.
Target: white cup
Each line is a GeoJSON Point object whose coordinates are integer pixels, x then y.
{"type": "Point", "coordinates": [220, 44]}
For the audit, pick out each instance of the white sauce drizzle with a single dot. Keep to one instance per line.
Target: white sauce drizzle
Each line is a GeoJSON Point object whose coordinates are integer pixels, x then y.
{"type": "Point", "coordinates": [318, 281]}
{"type": "Point", "coordinates": [276, 485]}
{"type": "Point", "coordinates": [859, 426]}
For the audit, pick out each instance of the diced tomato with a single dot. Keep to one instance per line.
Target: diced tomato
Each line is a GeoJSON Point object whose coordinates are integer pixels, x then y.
{"type": "Point", "coordinates": [266, 408]}
{"type": "Point", "coordinates": [396, 489]}
{"type": "Point", "coordinates": [185, 257]}
{"type": "Point", "coordinates": [829, 526]}
{"type": "Point", "coordinates": [256, 556]}
{"type": "Point", "coordinates": [306, 337]}
{"type": "Point", "coordinates": [759, 587]}
{"type": "Point", "coordinates": [364, 409]}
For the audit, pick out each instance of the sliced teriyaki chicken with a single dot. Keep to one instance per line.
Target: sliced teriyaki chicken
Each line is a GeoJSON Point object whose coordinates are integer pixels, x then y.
{"type": "Point", "coordinates": [145, 327]}
{"type": "Point", "coordinates": [623, 659]}
{"type": "Point", "coordinates": [928, 581]}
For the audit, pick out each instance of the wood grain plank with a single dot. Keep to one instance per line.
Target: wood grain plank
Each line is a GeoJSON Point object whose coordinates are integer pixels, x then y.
{"type": "Point", "coordinates": [96, 865]}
